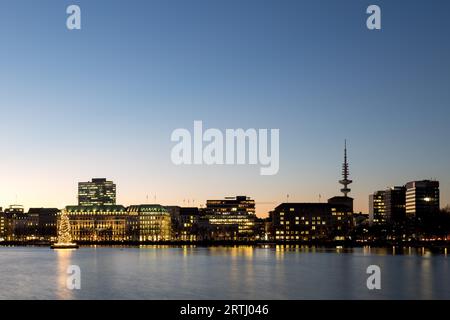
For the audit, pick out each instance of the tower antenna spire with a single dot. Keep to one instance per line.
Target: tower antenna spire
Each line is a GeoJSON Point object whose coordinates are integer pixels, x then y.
{"type": "Point", "coordinates": [345, 173]}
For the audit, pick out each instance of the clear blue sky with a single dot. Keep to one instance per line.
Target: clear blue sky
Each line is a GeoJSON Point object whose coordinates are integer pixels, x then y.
{"type": "Point", "coordinates": [103, 101]}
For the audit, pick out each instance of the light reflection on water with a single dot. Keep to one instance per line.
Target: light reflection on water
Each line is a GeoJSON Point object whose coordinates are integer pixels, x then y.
{"type": "Point", "coordinates": [63, 261]}
{"type": "Point", "coordinates": [239, 272]}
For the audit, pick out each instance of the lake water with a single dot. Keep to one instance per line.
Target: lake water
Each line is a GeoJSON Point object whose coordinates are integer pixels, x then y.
{"type": "Point", "coordinates": [158, 272]}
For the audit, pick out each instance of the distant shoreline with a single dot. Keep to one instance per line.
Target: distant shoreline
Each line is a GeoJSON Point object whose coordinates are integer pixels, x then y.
{"type": "Point", "coordinates": [329, 244]}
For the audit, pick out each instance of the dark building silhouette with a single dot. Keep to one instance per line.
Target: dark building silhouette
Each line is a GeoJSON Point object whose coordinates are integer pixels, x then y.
{"type": "Point", "coordinates": [344, 200]}
{"type": "Point", "coordinates": [189, 224]}
{"type": "Point", "coordinates": [44, 222]}
{"type": "Point", "coordinates": [395, 204]}
{"type": "Point", "coordinates": [16, 223]}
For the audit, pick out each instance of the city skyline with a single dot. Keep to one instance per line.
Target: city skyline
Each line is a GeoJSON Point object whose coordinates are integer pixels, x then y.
{"type": "Point", "coordinates": [410, 213]}
{"type": "Point", "coordinates": [86, 103]}
{"type": "Point", "coordinates": [192, 202]}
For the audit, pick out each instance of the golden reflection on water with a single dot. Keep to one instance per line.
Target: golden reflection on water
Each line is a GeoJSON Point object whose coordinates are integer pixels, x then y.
{"type": "Point", "coordinates": [240, 260]}
{"type": "Point", "coordinates": [426, 277]}
{"type": "Point", "coordinates": [279, 252]}
{"type": "Point", "coordinates": [63, 261]}
{"type": "Point", "coordinates": [367, 250]}
{"type": "Point", "coordinates": [233, 251]}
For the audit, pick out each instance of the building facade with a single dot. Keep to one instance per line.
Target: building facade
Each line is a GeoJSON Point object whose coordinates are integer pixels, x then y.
{"type": "Point", "coordinates": [3, 233]}
{"type": "Point", "coordinates": [16, 223]}
{"type": "Point", "coordinates": [310, 222]}
{"type": "Point", "coordinates": [377, 208]}
{"type": "Point", "coordinates": [232, 218]}
{"type": "Point", "coordinates": [395, 204]}
{"type": "Point", "coordinates": [98, 192]}
{"type": "Point", "coordinates": [239, 205]}
{"type": "Point", "coordinates": [98, 223]}
{"type": "Point", "coordinates": [44, 221]}
{"type": "Point", "coordinates": [188, 229]}
{"type": "Point", "coordinates": [230, 227]}
{"type": "Point", "coordinates": [149, 222]}
{"type": "Point", "coordinates": [422, 198]}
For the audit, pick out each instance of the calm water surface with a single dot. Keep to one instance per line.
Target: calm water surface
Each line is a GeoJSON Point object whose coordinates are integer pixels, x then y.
{"type": "Point", "coordinates": [156, 272]}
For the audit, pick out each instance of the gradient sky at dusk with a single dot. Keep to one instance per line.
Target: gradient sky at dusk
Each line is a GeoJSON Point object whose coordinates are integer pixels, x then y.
{"type": "Point", "coordinates": [103, 101]}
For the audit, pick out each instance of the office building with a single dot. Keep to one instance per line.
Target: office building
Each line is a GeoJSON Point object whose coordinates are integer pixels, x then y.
{"type": "Point", "coordinates": [236, 227]}
{"type": "Point", "coordinates": [422, 198]}
{"type": "Point", "coordinates": [44, 222]}
{"type": "Point", "coordinates": [377, 208]}
{"type": "Point", "coordinates": [310, 222]}
{"type": "Point", "coordinates": [232, 218]}
{"type": "Point", "coordinates": [98, 192]}
{"type": "Point", "coordinates": [395, 204]}
{"type": "Point", "coordinates": [239, 205]}
{"type": "Point", "coordinates": [149, 222]}
{"type": "Point", "coordinates": [16, 223]}
{"type": "Point", "coordinates": [189, 224]}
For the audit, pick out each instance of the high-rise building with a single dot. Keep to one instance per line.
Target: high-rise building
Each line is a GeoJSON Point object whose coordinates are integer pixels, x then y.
{"type": "Point", "coordinates": [395, 204]}
{"type": "Point", "coordinates": [98, 192]}
{"type": "Point", "coordinates": [377, 208]}
{"type": "Point", "coordinates": [422, 198]}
